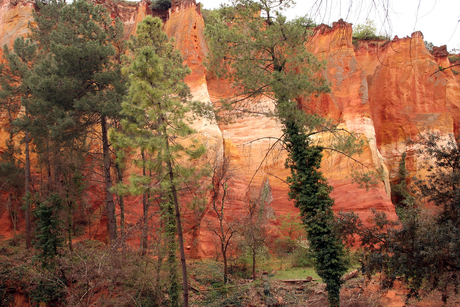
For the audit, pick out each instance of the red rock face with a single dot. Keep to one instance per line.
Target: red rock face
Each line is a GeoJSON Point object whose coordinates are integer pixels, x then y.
{"type": "Point", "coordinates": [386, 92]}
{"type": "Point", "coordinates": [14, 18]}
{"type": "Point", "coordinates": [408, 95]}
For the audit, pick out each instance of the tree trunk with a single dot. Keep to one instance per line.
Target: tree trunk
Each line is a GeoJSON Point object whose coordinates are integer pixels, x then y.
{"type": "Point", "coordinates": [178, 223]}
{"type": "Point", "coordinates": [27, 191]}
{"type": "Point", "coordinates": [172, 259]}
{"type": "Point", "coordinates": [110, 204]}
{"type": "Point", "coordinates": [121, 202]}
{"type": "Point", "coordinates": [253, 264]}
{"type": "Point", "coordinates": [145, 209]}
{"type": "Point", "coordinates": [157, 289]}
{"type": "Point", "coordinates": [12, 212]}
{"type": "Point", "coordinates": [224, 256]}
{"type": "Point", "coordinates": [69, 224]}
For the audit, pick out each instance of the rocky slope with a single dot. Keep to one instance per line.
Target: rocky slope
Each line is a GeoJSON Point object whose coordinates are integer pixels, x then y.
{"type": "Point", "coordinates": [384, 91]}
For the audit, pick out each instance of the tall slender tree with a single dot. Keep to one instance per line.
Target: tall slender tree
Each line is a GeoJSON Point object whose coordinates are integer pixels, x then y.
{"type": "Point", "coordinates": [255, 222]}
{"type": "Point", "coordinates": [226, 229]}
{"type": "Point", "coordinates": [14, 91]}
{"type": "Point", "coordinates": [265, 55]}
{"type": "Point", "coordinates": [11, 166]}
{"type": "Point", "coordinates": [158, 112]}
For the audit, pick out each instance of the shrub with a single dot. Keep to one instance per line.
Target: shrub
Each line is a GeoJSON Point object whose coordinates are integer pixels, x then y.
{"type": "Point", "coordinates": [161, 5]}
{"type": "Point", "coordinates": [422, 247]}
{"type": "Point", "coordinates": [49, 290]}
{"type": "Point", "coordinates": [302, 258]}
{"type": "Point", "coordinates": [429, 46]}
{"type": "Point", "coordinates": [240, 266]}
{"type": "Point", "coordinates": [366, 31]}
{"type": "Point", "coordinates": [284, 246]}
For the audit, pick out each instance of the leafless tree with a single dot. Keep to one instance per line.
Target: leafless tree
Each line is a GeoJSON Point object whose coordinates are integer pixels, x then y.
{"type": "Point", "coordinates": [255, 221]}
{"type": "Point", "coordinates": [226, 229]}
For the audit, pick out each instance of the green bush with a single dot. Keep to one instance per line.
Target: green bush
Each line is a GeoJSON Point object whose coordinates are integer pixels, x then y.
{"type": "Point", "coordinates": [241, 267]}
{"type": "Point", "coordinates": [285, 246]}
{"type": "Point", "coordinates": [161, 5]}
{"type": "Point", "coordinates": [6, 289]}
{"type": "Point", "coordinates": [14, 267]}
{"type": "Point", "coordinates": [429, 46]}
{"type": "Point", "coordinates": [49, 291]}
{"type": "Point", "coordinates": [147, 298]}
{"type": "Point", "coordinates": [207, 15]}
{"type": "Point", "coordinates": [366, 31]}
{"type": "Point", "coordinates": [302, 257]}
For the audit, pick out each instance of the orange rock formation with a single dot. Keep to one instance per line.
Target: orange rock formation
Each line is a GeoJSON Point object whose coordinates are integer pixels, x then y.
{"type": "Point", "coordinates": [386, 92]}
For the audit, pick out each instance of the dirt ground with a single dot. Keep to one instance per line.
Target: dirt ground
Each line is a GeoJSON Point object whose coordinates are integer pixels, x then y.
{"type": "Point", "coordinates": [355, 292]}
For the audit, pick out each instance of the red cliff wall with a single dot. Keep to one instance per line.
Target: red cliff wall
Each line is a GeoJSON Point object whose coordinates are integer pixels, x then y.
{"type": "Point", "coordinates": [349, 105]}
{"type": "Point", "coordinates": [14, 18]}
{"type": "Point", "coordinates": [408, 95]}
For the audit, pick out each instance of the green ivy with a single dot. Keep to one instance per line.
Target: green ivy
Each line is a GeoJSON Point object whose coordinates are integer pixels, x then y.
{"type": "Point", "coordinates": [310, 192]}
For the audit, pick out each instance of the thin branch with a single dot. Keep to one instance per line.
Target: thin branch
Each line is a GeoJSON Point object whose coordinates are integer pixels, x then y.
{"type": "Point", "coordinates": [444, 68]}
{"type": "Point", "coordinates": [265, 157]}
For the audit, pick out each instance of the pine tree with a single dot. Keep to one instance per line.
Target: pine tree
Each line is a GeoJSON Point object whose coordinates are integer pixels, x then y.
{"type": "Point", "coordinates": [74, 84]}
{"type": "Point", "coordinates": [11, 168]}
{"type": "Point", "coordinates": [158, 113]}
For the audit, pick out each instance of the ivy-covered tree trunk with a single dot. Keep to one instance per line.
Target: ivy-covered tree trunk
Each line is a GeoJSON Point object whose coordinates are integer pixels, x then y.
{"type": "Point", "coordinates": [310, 192]}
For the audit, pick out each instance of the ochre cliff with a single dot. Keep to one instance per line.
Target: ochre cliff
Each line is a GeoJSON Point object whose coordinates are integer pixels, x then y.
{"type": "Point", "coordinates": [409, 96]}
{"type": "Point", "coordinates": [14, 18]}
{"type": "Point", "coordinates": [386, 92]}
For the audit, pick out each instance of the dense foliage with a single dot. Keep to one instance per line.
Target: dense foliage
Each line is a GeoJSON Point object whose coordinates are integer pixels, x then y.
{"type": "Point", "coordinates": [366, 31]}
{"type": "Point", "coordinates": [161, 5]}
{"type": "Point", "coordinates": [68, 81]}
{"type": "Point", "coordinates": [422, 246]}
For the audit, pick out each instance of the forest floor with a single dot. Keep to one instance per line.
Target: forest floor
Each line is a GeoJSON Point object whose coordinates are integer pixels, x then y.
{"type": "Point", "coordinates": [277, 289]}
